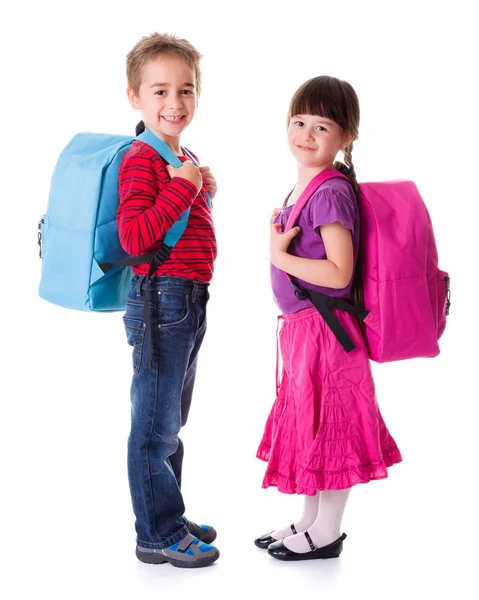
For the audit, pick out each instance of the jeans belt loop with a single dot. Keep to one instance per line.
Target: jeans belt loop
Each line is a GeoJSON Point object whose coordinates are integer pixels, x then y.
{"type": "Point", "coordinates": [141, 279]}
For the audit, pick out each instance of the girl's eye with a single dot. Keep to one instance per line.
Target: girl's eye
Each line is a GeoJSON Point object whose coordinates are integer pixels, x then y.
{"type": "Point", "coordinates": [186, 92]}
{"type": "Point", "coordinates": [320, 128]}
{"type": "Point", "coordinates": [160, 92]}
{"type": "Point", "coordinates": [299, 123]}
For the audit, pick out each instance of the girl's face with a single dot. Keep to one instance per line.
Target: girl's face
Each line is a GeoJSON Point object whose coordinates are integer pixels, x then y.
{"type": "Point", "coordinates": [314, 141]}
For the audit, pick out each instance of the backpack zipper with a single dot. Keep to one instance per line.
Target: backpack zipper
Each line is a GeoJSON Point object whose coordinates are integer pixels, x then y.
{"type": "Point", "coordinates": [448, 294]}
{"type": "Point", "coordinates": [39, 237]}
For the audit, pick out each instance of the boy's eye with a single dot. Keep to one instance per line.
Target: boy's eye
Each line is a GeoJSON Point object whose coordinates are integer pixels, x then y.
{"type": "Point", "coordinates": [183, 92]}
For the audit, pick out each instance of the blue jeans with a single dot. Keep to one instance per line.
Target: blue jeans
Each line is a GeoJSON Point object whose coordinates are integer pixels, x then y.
{"type": "Point", "coordinates": [160, 401]}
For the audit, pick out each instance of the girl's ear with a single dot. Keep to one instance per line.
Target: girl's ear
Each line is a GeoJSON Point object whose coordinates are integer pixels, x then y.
{"type": "Point", "coordinates": [347, 139]}
{"type": "Point", "coordinates": [133, 98]}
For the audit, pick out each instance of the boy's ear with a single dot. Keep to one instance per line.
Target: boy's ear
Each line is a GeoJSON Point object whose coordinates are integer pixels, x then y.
{"type": "Point", "coordinates": [133, 98]}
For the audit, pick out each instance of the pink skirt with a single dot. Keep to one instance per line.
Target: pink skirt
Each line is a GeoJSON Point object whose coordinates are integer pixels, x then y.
{"type": "Point", "coordinates": [325, 430]}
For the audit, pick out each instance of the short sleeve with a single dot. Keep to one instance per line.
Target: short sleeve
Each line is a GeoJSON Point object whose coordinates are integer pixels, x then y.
{"type": "Point", "coordinates": [328, 205]}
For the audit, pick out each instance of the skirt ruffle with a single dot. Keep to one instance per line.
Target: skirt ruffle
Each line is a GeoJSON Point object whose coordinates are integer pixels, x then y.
{"type": "Point", "coordinates": [325, 430]}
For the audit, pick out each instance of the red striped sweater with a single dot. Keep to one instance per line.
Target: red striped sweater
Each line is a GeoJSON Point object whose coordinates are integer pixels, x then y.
{"type": "Point", "coordinates": [150, 202]}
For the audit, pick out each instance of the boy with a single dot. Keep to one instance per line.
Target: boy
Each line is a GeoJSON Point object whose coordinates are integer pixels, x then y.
{"type": "Point", "coordinates": [164, 83]}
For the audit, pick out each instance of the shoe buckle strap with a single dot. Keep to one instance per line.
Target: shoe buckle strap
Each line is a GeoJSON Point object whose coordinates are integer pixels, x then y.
{"type": "Point", "coordinates": [310, 541]}
{"type": "Point", "coordinates": [186, 542]}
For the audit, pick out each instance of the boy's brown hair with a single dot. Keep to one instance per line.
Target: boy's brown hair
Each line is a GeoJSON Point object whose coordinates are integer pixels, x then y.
{"type": "Point", "coordinates": [156, 45]}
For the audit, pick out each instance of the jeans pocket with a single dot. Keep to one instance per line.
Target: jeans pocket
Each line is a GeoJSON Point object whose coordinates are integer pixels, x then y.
{"type": "Point", "coordinates": [135, 333]}
{"type": "Point", "coordinates": [173, 308]}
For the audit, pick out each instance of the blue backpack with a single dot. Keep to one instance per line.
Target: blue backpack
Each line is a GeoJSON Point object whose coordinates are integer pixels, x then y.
{"type": "Point", "coordinates": [84, 266]}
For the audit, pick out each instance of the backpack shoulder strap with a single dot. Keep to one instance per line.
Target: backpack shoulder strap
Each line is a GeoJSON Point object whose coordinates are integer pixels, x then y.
{"type": "Point", "coordinates": [195, 162]}
{"type": "Point", "coordinates": [321, 302]}
{"type": "Point", "coordinates": [148, 137]}
{"type": "Point", "coordinates": [178, 228]}
{"type": "Point", "coordinates": [312, 186]}
{"type": "Point", "coordinates": [167, 153]}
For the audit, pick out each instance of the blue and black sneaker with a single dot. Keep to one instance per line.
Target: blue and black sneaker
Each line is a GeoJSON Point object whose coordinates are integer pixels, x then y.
{"type": "Point", "coordinates": [189, 552]}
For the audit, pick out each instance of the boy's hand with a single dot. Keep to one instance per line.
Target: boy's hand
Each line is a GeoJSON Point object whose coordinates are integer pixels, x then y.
{"type": "Point", "coordinates": [210, 181]}
{"type": "Point", "coordinates": [188, 171]}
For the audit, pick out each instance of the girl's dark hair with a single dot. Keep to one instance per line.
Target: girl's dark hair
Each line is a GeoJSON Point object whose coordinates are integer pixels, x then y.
{"type": "Point", "coordinates": [334, 99]}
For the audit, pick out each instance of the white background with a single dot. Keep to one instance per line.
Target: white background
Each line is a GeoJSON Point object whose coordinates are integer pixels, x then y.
{"type": "Point", "coordinates": [67, 528]}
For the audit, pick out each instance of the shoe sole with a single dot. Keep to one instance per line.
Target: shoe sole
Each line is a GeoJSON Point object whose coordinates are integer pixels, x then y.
{"type": "Point", "coordinates": [305, 558]}
{"type": "Point", "coordinates": [258, 545]}
{"type": "Point", "coordinates": [159, 559]}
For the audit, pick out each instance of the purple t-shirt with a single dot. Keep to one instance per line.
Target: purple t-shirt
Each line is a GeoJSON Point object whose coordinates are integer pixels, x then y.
{"type": "Point", "coordinates": [334, 201]}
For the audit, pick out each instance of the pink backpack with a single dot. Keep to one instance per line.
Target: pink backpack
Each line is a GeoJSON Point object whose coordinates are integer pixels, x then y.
{"type": "Point", "coordinates": [406, 295]}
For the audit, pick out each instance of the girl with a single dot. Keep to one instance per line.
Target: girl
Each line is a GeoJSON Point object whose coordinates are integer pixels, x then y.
{"type": "Point", "coordinates": [325, 432]}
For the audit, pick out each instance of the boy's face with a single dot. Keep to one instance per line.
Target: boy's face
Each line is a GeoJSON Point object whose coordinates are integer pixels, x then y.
{"type": "Point", "coordinates": [167, 98]}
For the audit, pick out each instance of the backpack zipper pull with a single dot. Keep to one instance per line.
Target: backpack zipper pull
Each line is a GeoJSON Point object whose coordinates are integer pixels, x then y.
{"type": "Point", "coordinates": [39, 237]}
{"type": "Point", "coordinates": [448, 294]}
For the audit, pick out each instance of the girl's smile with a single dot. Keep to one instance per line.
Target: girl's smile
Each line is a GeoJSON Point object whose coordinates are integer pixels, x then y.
{"type": "Point", "coordinates": [307, 148]}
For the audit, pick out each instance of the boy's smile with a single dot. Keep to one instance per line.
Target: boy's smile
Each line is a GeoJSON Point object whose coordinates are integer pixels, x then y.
{"type": "Point", "coordinates": [173, 119]}
{"type": "Point", "coordinates": [167, 98]}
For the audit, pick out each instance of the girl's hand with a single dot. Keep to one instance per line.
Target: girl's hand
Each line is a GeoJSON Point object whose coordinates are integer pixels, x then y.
{"type": "Point", "coordinates": [279, 242]}
{"type": "Point", "coordinates": [210, 181]}
{"type": "Point", "coordinates": [276, 212]}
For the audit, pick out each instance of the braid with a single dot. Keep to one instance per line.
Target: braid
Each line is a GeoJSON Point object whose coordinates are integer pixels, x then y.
{"type": "Point", "coordinates": [347, 168]}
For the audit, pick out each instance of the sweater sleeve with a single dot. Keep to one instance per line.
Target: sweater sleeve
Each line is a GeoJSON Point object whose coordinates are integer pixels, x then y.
{"type": "Point", "coordinates": [150, 203]}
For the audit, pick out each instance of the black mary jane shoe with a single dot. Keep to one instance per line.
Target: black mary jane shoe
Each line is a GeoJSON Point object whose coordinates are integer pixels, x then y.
{"type": "Point", "coordinates": [278, 550]}
{"type": "Point", "coordinates": [265, 540]}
